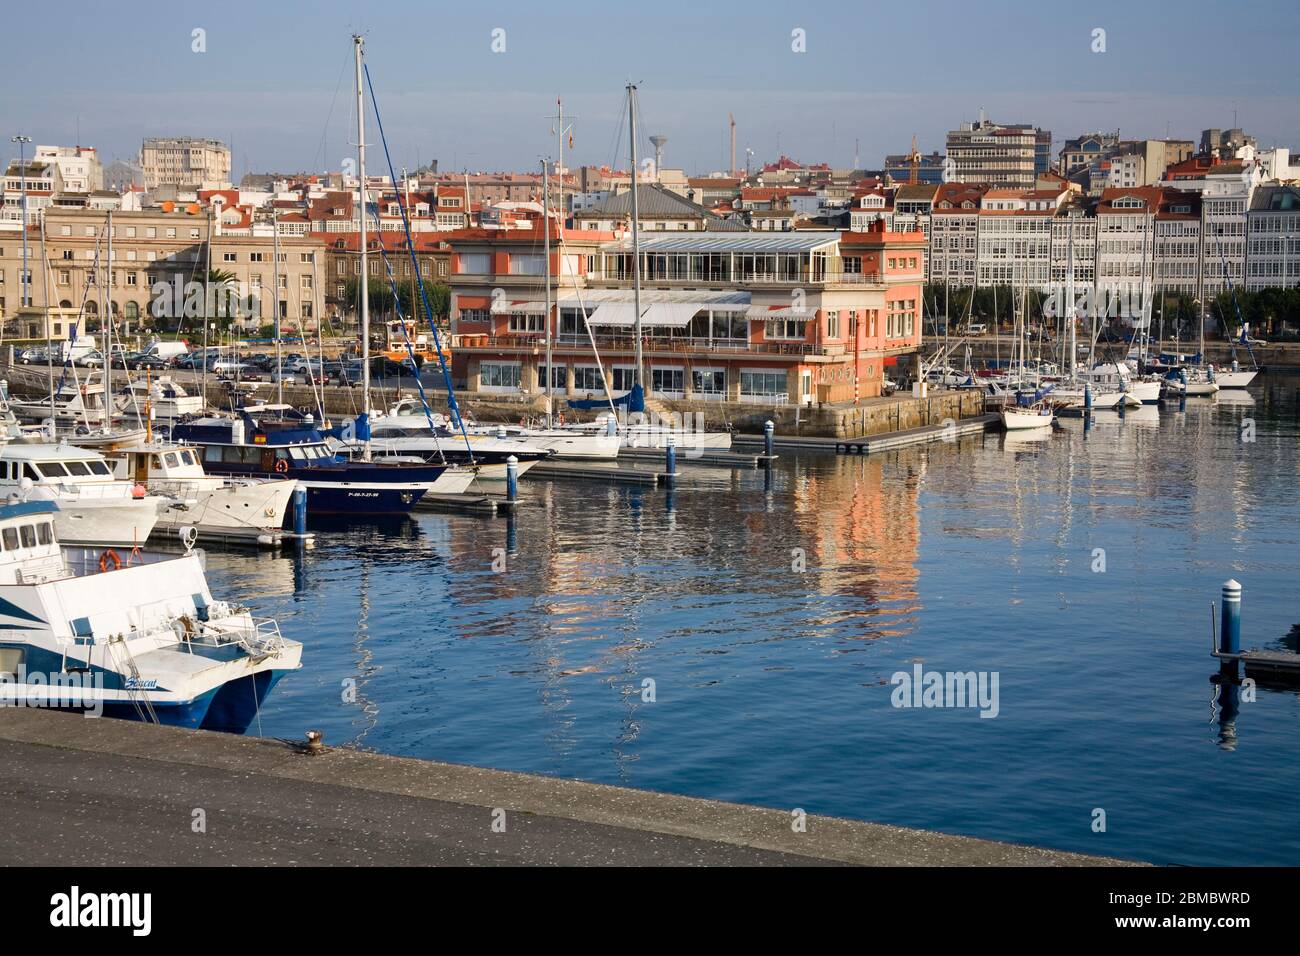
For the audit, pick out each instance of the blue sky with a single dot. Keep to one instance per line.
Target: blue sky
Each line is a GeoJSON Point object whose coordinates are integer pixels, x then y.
{"type": "Point", "coordinates": [275, 80]}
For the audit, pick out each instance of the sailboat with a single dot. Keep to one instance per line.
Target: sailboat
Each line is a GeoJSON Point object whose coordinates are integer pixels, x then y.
{"type": "Point", "coordinates": [1037, 411]}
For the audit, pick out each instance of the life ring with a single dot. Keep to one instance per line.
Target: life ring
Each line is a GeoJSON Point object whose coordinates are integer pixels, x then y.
{"type": "Point", "coordinates": [282, 465]}
{"type": "Point", "coordinates": [106, 557]}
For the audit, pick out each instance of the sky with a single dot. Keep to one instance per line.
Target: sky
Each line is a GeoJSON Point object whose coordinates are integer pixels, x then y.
{"type": "Point", "coordinates": [473, 84]}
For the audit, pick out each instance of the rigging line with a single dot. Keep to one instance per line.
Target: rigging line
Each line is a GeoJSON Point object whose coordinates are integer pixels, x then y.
{"type": "Point", "coordinates": [582, 307]}
{"type": "Point", "coordinates": [320, 150]}
{"type": "Point", "coordinates": [452, 406]}
{"type": "Point", "coordinates": [410, 351]}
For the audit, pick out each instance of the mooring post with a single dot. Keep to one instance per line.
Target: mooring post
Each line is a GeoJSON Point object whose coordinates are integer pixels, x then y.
{"type": "Point", "coordinates": [300, 510]}
{"type": "Point", "coordinates": [670, 458]}
{"type": "Point", "coordinates": [769, 430]}
{"type": "Point", "coordinates": [1087, 398]}
{"type": "Point", "coordinates": [1230, 626]}
{"type": "Point", "coordinates": [512, 478]}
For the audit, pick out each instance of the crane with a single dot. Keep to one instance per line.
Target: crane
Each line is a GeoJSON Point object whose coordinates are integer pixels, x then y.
{"type": "Point", "coordinates": [914, 161]}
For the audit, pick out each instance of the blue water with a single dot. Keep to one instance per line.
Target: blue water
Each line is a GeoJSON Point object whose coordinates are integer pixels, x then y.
{"type": "Point", "coordinates": [771, 685]}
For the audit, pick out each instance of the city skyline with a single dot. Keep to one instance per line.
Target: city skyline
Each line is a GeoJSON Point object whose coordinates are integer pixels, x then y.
{"type": "Point", "coordinates": [279, 95]}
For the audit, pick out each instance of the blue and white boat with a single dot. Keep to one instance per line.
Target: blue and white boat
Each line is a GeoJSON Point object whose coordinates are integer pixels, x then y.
{"type": "Point", "coordinates": [135, 635]}
{"type": "Point", "coordinates": [273, 441]}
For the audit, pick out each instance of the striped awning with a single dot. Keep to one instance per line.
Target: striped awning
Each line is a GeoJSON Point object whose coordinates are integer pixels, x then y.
{"type": "Point", "coordinates": [674, 315]}
{"type": "Point", "coordinates": [780, 312]}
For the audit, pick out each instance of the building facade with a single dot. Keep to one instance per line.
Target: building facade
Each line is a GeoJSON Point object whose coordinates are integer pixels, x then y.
{"type": "Point", "coordinates": [184, 161]}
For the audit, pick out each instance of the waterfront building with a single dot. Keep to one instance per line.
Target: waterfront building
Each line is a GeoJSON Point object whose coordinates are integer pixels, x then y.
{"type": "Point", "coordinates": [774, 318]}
{"type": "Point", "coordinates": [184, 161]}
{"type": "Point", "coordinates": [160, 245]}
{"type": "Point", "coordinates": [660, 210]}
{"type": "Point", "coordinates": [1273, 238]}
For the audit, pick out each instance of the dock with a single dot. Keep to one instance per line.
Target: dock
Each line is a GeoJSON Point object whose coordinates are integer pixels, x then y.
{"type": "Point", "coordinates": [469, 503]}
{"type": "Point", "coordinates": [137, 787]}
{"type": "Point", "coordinates": [685, 456]}
{"type": "Point", "coordinates": [867, 444]}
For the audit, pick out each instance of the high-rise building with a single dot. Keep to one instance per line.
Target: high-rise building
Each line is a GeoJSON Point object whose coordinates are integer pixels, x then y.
{"type": "Point", "coordinates": [1005, 156]}
{"type": "Point", "coordinates": [184, 161]}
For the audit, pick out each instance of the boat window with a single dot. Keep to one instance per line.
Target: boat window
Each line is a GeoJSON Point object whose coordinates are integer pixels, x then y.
{"type": "Point", "coordinates": [281, 453]}
{"type": "Point", "coordinates": [52, 469]}
{"type": "Point", "coordinates": [30, 472]}
{"type": "Point", "coordinates": [298, 454]}
{"type": "Point", "coordinates": [77, 467]}
{"type": "Point", "coordinates": [188, 457]}
{"type": "Point", "coordinates": [98, 468]}
{"type": "Point", "coordinates": [155, 462]}
{"type": "Point", "coordinates": [212, 453]}
{"type": "Point", "coordinates": [10, 536]}
{"type": "Point", "coordinates": [171, 459]}
{"type": "Point", "coordinates": [12, 660]}
{"type": "Point", "coordinates": [45, 532]}
{"type": "Point", "coordinates": [28, 533]}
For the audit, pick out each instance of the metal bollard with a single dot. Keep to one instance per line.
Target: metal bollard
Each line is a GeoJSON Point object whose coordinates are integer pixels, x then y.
{"type": "Point", "coordinates": [670, 458]}
{"type": "Point", "coordinates": [1087, 397]}
{"type": "Point", "coordinates": [1230, 619]}
{"type": "Point", "coordinates": [769, 430]}
{"type": "Point", "coordinates": [512, 478]}
{"type": "Point", "coordinates": [300, 510]}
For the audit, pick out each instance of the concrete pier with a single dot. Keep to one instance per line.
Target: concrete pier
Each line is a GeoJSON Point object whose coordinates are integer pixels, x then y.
{"type": "Point", "coordinates": [83, 792]}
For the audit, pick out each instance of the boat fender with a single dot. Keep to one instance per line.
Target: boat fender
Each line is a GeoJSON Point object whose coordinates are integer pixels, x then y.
{"type": "Point", "coordinates": [139, 491]}
{"type": "Point", "coordinates": [282, 465]}
{"type": "Point", "coordinates": [109, 556]}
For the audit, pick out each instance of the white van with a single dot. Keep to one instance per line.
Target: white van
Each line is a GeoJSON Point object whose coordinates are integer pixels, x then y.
{"type": "Point", "coordinates": [166, 350]}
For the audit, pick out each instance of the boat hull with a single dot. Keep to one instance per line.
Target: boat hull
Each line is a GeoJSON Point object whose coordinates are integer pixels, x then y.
{"type": "Point", "coordinates": [1234, 379]}
{"type": "Point", "coordinates": [1020, 419]}
{"type": "Point", "coordinates": [120, 523]}
{"type": "Point", "coordinates": [253, 508]}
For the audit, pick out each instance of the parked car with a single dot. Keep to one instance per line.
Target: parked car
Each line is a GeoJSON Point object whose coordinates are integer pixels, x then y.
{"type": "Point", "coordinates": [91, 359]}
{"type": "Point", "coordinates": [225, 366]}
{"type": "Point", "coordinates": [977, 328]}
{"type": "Point", "coordinates": [143, 361]}
{"type": "Point", "coordinates": [33, 357]}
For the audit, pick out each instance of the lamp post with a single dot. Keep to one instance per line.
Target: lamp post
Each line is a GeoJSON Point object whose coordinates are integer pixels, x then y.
{"type": "Point", "coordinates": [22, 141]}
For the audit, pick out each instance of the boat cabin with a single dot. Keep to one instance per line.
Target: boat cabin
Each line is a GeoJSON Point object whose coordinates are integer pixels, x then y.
{"type": "Point", "coordinates": [29, 551]}
{"type": "Point", "coordinates": [145, 463]}
{"type": "Point", "coordinates": [46, 464]}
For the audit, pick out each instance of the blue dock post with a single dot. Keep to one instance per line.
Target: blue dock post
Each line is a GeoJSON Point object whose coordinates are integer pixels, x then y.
{"type": "Point", "coordinates": [300, 511]}
{"type": "Point", "coordinates": [670, 459]}
{"type": "Point", "coordinates": [1230, 619]}
{"type": "Point", "coordinates": [512, 478]}
{"type": "Point", "coordinates": [769, 429]}
{"type": "Point", "coordinates": [1087, 398]}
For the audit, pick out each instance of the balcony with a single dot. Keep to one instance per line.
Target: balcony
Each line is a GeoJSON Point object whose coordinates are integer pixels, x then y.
{"type": "Point", "coordinates": [651, 345]}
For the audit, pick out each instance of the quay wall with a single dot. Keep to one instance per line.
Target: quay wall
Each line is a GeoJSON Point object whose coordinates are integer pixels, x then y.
{"type": "Point", "coordinates": [872, 416]}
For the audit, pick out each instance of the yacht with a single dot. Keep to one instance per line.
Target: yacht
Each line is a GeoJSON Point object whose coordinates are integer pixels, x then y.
{"type": "Point", "coordinates": [75, 402]}
{"type": "Point", "coordinates": [215, 505]}
{"type": "Point", "coordinates": [273, 441]}
{"type": "Point", "coordinates": [1117, 375]}
{"type": "Point", "coordinates": [95, 507]}
{"type": "Point", "coordinates": [136, 636]}
{"type": "Point", "coordinates": [559, 442]}
{"type": "Point", "coordinates": [157, 399]}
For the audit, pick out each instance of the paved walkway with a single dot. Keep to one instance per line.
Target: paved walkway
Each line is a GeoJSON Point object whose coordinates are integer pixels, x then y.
{"type": "Point", "coordinates": [84, 792]}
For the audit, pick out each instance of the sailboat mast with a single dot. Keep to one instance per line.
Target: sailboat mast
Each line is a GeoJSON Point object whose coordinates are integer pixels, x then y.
{"type": "Point", "coordinates": [546, 282]}
{"type": "Point", "coordinates": [357, 42]}
{"type": "Point", "coordinates": [1068, 311]}
{"type": "Point", "coordinates": [275, 301]}
{"type": "Point", "coordinates": [559, 166]}
{"type": "Point", "coordinates": [108, 331]}
{"type": "Point", "coordinates": [636, 234]}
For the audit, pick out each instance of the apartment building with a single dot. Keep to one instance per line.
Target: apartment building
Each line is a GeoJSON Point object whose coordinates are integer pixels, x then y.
{"type": "Point", "coordinates": [954, 233]}
{"type": "Point", "coordinates": [184, 161]}
{"type": "Point", "coordinates": [1006, 157]}
{"type": "Point", "coordinates": [384, 250]}
{"type": "Point", "coordinates": [807, 315]}
{"type": "Point", "coordinates": [1273, 238]}
{"type": "Point", "coordinates": [70, 269]}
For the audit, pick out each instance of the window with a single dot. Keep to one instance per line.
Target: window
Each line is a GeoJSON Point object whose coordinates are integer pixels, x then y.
{"type": "Point", "coordinates": [667, 380]}
{"type": "Point", "coordinates": [708, 382]}
{"type": "Point", "coordinates": [98, 468]}
{"type": "Point", "coordinates": [623, 378]}
{"type": "Point", "coordinates": [586, 378]}
{"type": "Point", "coordinates": [526, 323]}
{"type": "Point", "coordinates": [77, 468]}
{"type": "Point", "coordinates": [230, 257]}
{"type": "Point", "coordinates": [559, 377]}
{"type": "Point", "coordinates": [13, 660]}
{"type": "Point", "coordinates": [527, 265]}
{"type": "Point", "coordinates": [499, 375]}
{"type": "Point", "coordinates": [52, 469]}
{"type": "Point", "coordinates": [833, 325]}
{"type": "Point", "coordinates": [786, 328]}
{"type": "Point", "coordinates": [45, 533]}
{"type": "Point", "coordinates": [255, 257]}
{"type": "Point", "coordinates": [10, 536]}
{"type": "Point", "coordinates": [763, 383]}
{"type": "Point", "coordinates": [28, 534]}
{"type": "Point", "coordinates": [476, 263]}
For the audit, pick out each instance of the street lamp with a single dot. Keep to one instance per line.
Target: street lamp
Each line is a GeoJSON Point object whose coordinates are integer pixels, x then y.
{"type": "Point", "coordinates": [22, 141]}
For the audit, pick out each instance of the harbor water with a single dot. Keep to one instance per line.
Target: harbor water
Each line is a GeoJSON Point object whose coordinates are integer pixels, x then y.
{"type": "Point", "coordinates": [737, 638]}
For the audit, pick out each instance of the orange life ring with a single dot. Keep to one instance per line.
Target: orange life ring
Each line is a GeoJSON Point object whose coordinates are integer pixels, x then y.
{"type": "Point", "coordinates": [106, 557]}
{"type": "Point", "coordinates": [282, 465]}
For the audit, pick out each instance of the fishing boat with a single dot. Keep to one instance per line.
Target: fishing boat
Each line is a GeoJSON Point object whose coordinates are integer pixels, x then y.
{"type": "Point", "coordinates": [138, 636]}
{"type": "Point", "coordinates": [216, 506]}
{"type": "Point", "coordinates": [273, 441]}
{"type": "Point", "coordinates": [95, 507]}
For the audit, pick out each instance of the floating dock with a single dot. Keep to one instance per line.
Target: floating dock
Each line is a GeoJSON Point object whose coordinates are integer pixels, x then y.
{"type": "Point", "coordinates": [469, 503]}
{"type": "Point", "coordinates": [868, 444]}
{"type": "Point", "coordinates": [136, 787]}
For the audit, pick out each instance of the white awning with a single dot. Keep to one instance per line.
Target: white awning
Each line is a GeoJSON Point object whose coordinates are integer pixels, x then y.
{"type": "Point", "coordinates": [518, 307]}
{"type": "Point", "coordinates": [671, 315]}
{"type": "Point", "coordinates": [765, 312]}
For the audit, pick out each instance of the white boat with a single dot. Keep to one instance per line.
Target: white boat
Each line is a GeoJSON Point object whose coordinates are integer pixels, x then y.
{"type": "Point", "coordinates": [159, 399]}
{"type": "Point", "coordinates": [213, 505]}
{"type": "Point", "coordinates": [1193, 381]}
{"type": "Point", "coordinates": [561, 442]}
{"type": "Point", "coordinates": [75, 402]}
{"type": "Point", "coordinates": [94, 506]}
{"type": "Point", "coordinates": [1234, 379]}
{"type": "Point", "coordinates": [1074, 395]}
{"type": "Point", "coordinates": [1119, 376]}
{"type": "Point", "coordinates": [1018, 418]}
{"type": "Point", "coordinates": [653, 433]}
{"type": "Point", "coordinates": [137, 636]}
